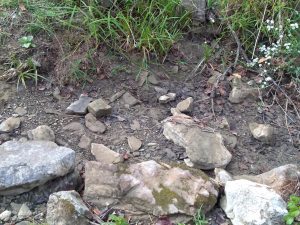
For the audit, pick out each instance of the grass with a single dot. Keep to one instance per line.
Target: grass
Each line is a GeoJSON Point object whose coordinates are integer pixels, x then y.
{"type": "Point", "coordinates": [146, 27]}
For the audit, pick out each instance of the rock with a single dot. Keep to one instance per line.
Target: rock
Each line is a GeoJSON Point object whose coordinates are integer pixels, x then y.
{"type": "Point", "coordinates": [93, 124]}
{"type": "Point", "coordinates": [105, 155]}
{"type": "Point", "coordinates": [24, 212]}
{"type": "Point", "coordinates": [15, 207]}
{"type": "Point", "coordinates": [149, 188]}
{"type": "Point", "coordinates": [170, 154]}
{"type": "Point", "coordinates": [241, 91]}
{"type": "Point", "coordinates": [84, 142]}
{"type": "Point", "coordinates": [41, 133]}
{"type": "Point", "coordinates": [206, 150]}
{"type": "Point", "coordinates": [262, 132]}
{"type": "Point", "coordinates": [6, 92]}
{"type": "Point", "coordinates": [222, 176]}
{"type": "Point", "coordinates": [175, 69]}
{"type": "Point", "coordinates": [75, 127]}
{"type": "Point", "coordinates": [67, 208]}
{"type": "Point", "coordinates": [80, 106]}
{"type": "Point", "coordinates": [135, 125]}
{"type": "Point", "coordinates": [161, 90]}
{"type": "Point", "coordinates": [197, 8]}
{"type": "Point", "coordinates": [99, 108]}
{"type": "Point", "coordinates": [21, 111]}
{"type": "Point", "coordinates": [230, 141]}
{"type": "Point", "coordinates": [24, 223]}
{"type": "Point", "coordinates": [188, 162]}
{"type": "Point", "coordinates": [250, 203]}
{"type": "Point", "coordinates": [25, 165]}
{"type": "Point", "coordinates": [5, 216]}
{"type": "Point", "coordinates": [224, 123]}
{"type": "Point", "coordinates": [129, 100]}
{"type": "Point", "coordinates": [134, 143]}
{"type": "Point", "coordinates": [117, 96]}
{"type": "Point", "coordinates": [10, 124]}
{"type": "Point", "coordinates": [284, 179]}
{"type": "Point", "coordinates": [152, 79]}
{"type": "Point", "coordinates": [167, 98]}
{"type": "Point", "coordinates": [185, 105]}
{"type": "Point", "coordinates": [176, 112]}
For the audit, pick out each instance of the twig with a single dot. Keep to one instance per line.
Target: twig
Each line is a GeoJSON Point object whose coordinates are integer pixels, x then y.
{"type": "Point", "coordinates": [195, 70]}
{"type": "Point", "coordinates": [291, 101]}
{"type": "Point", "coordinates": [240, 49]}
{"type": "Point", "coordinates": [286, 121]}
{"type": "Point", "coordinates": [257, 37]}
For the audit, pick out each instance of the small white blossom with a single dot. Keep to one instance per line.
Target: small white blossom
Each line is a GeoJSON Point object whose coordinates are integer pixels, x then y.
{"type": "Point", "coordinates": [268, 79]}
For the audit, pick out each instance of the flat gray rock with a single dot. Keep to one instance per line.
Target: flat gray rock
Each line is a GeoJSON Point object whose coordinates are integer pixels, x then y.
{"type": "Point", "coordinates": [80, 106]}
{"type": "Point", "coordinates": [206, 150]}
{"type": "Point", "coordinates": [25, 165]}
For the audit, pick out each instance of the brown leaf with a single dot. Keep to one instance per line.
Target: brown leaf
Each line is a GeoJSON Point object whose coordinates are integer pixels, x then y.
{"type": "Point", "coordinates": [96, 211]}
{"type": "Point", "coordinates": [262, 60]}
{"type": "Point", "coordinates": [22, 7]}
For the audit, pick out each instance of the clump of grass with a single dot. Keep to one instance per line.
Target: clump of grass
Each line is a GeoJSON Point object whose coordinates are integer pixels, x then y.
{"type": "Point", "coordinates": [150, 26]}
{"type": "Point", "coordinates": [24, 71]}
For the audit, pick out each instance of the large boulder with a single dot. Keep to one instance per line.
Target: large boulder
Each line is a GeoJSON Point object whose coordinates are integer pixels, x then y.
{"type": "Point", "coordinates": [249, 203]}
{"type": "Point", "coordinates": [205, 149]}
{"type": "Point", "coordinates": [149, 188]}
{"type": "Point", "coordinates": [25, 165]}
{"type": "Point", "coordinates": [284, 179]}
{"type": "Point", "coordinates": [67, 208]}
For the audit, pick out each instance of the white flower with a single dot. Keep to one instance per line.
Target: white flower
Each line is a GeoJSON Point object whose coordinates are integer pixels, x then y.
{"type": "Point", "coordinates": [294, 26]}
{"type": "Point", "coordinates": [268, 79]}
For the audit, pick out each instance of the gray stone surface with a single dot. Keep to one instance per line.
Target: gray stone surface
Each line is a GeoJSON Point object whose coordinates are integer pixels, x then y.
{"type": "Point", "coordinates": [67, 208]}
{"type": "Point", "coordinates": [10, 124]}
{"type": "Point", "coordinates": [24, 212]}
{"type": "Point", "coordinates": [250, 203]}
{"type": "Point", "coordinates": [186, 105]}
{"type": "Point", "coordinates": [129, 100]}
{"type": "Point", "coordinates": [80, 106]}
{"type": "Point", "coordinates": [99, 108]}
{"type": "Point", "coordinates": [262, 132]}
{"type": "Point", "coordinates": [93, 124]}
{"type": "Point", "coordinates": [21, 111]}
{"type": "Point", "coordinates": [104, 154]}
{"type": "Point", "coordinates": [134, 143]}
{"type": "Point", "coordinates": [5, 216]}
{"type": "Point", "coordinates": [205, 149]}
{"type": "Point", "coordinates": [25, 165]}
{"type": "Point", "coordinates": [85, 142]}
{"type": "Point", "coordinates": [149, 188]}
{"type": "Point", "coordinates": [41, 133]}
{"type": "Point", "coordinates": [75, 128]}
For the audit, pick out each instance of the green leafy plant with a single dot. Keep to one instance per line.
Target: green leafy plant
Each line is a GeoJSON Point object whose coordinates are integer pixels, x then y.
{"type": "Point", "coordinates": [25, 71]}
{"type": "Point", "coordinates": [116, 220]}
{"type": "Point", "coordinates": [199, 218]}
{"type": "Point", "coordinates": [293, 210]}
{"type": "Point", "coordinates": [27, 41]}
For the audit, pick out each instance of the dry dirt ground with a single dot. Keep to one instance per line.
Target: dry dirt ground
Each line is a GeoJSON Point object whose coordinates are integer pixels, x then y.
{"type": "Point", "coordinates": [114, 73]}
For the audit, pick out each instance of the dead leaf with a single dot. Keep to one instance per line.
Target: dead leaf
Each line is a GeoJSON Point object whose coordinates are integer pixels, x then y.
{"type": "Point", "coordinates": [22, 7]}
{"type": "Point", "coordinates": [96, 211]}
{"type": "Point", "coordinates": [262, 60]}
